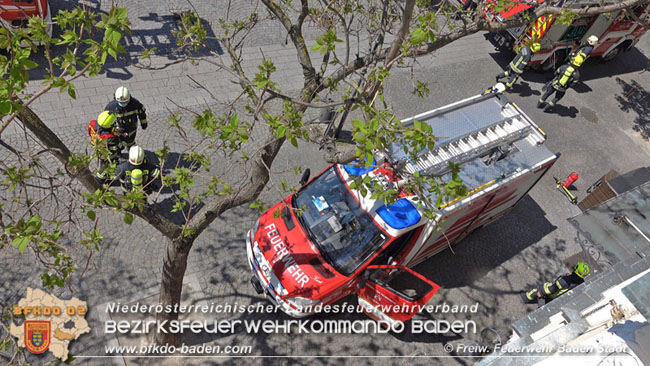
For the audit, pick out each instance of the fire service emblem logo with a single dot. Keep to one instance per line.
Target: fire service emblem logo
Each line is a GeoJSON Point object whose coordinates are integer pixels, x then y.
{"type": "Point", "coordinates": [37, 335]}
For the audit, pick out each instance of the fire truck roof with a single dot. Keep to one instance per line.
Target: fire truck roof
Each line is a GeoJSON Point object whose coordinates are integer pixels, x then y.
{"type": "Point", "coordinates": [489, 136]}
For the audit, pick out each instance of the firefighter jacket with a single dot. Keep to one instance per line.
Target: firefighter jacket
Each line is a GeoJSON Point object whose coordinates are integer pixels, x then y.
{"type": "Point", "coordinates": [141, 176]}
{"type": "Point", "coordinates": [561, 285]}
{"type": "Point", "coordinates": [98, 133]}
{"type": "Point", "coordinates": [520, 62]}
{"type": "Point", "coordinates": [565, 77]}
{"type": "Point", "coordinates": [127, 117]}
{"type": "Point", "coordinates": [584, 51]}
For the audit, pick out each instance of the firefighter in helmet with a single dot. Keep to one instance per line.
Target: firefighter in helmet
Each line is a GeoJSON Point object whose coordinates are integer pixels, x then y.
{"type": "Point", "coordinates": [565, 76]}
{"type": "Point", "coordinates": [137, 173]}
{"type": "Point", "coordinates": [128, 111]}
{"type": "Point", "coordinates": [551, 290]}
{"type": "Point", "coordinates": [518, 64]}
{"type": "Point", "coordinates": [586, 49]}
{"type": "Point", "coordinates": [102, 136]}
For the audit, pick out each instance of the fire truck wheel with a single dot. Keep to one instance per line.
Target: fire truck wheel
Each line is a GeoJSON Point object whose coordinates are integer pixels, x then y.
{"type": "Point", "coordinates": [613, 53]}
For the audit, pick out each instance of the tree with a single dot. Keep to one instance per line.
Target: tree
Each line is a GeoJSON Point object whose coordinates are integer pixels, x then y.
{"type": "Point", "coordinates": [396, 32]}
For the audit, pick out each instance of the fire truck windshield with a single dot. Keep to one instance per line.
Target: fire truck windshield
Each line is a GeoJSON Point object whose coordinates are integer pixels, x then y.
{"type": "Point", "coordinates": [344, 233]}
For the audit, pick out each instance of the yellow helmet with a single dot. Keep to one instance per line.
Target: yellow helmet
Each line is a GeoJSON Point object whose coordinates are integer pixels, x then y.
{"type": "Point", "coordinates": [581, 269]}
{"type": "Point", "coordinates": [106, 119]}
{"type": "Point", "coordinates": [535, 46]}
{"type": "Point", "coordinates": [577, 60]}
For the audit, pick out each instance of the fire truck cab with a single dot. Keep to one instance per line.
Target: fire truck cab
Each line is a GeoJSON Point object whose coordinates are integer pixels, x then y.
{"type": "Point", "coordinates": [328, 241]}
{"type": "Point", "coordinates": [617, 32]}
{"type": "Point", "coordinates": [17, 13]}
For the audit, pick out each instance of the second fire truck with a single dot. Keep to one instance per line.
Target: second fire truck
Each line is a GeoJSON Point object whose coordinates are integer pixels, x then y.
{"type": "Point", "coordinates": [617, 31]}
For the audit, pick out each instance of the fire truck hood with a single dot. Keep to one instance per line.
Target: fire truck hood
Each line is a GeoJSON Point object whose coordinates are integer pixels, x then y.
{"type": "Point", "coordinates": [294, 260]}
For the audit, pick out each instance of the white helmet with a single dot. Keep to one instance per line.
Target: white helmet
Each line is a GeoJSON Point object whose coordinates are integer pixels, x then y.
{"type": "Point", "coordinates": [592, 40]}
{"type": "Point", "coordinates": [122, 96]}
{"type": "Point", "coordinates": [136, 155]}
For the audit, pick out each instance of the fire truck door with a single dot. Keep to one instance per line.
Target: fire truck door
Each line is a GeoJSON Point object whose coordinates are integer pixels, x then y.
{"type": "Point", "coordinates": [394, 293]}
{"type": "Point", "coordinates": [599, 26]}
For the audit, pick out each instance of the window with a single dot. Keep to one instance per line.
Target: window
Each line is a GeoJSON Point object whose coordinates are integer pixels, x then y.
{"type": "Point", "coordinates": [345, 235]}
{"type": "Point", "coordinates": [577, 29]}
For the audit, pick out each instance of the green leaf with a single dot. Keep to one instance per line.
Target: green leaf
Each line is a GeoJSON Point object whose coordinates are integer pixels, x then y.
{"type": "Point", "coordinates": [5, 107]}
{"type": "Point", "coordinates": [71, 91]}
{"type": "Point", "coordinates": [29, 64]}
{"type": "Point", "coordinates": [91, 215]}
{"type": "Point", "coordinates": [128, 218]}
{"type": "Point", "coordinates": [21, 243]}
{"type": "Point", "coordinates": [281, 131]}
{"type": "Point", "coordinates": [418, 36]}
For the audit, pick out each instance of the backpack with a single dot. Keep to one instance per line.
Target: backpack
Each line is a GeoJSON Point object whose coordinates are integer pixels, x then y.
{"type": "Point", "coordinates": [93, 128]}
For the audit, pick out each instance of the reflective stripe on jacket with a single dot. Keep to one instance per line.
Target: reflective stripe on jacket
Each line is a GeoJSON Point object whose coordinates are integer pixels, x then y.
{"type": "Point", "coordinates": [127, 117]}
{"type": "Point", "coordinates": [519, 63]}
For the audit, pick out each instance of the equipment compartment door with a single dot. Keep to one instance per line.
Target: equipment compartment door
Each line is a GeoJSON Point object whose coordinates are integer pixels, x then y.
{"type": "Point", "coordinates": [394, 293]}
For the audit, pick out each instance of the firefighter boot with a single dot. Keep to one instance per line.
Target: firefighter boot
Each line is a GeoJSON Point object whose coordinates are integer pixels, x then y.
{"type": "Point", "coordinates": [549, 107]}
{"type": "Point", "coordinates": [530, 297]}
{"type": "Point", "coordinates": [540, 103]}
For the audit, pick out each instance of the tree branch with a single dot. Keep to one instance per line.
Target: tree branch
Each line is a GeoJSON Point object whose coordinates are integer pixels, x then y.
{"type": "Point", "coordinates": [249, 192]}
{"type": "Point", "coordinates": [295, 33]}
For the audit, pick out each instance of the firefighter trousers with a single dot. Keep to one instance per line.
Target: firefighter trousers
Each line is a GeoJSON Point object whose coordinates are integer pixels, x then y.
{"type": "Point", "coordinates": [550, 90]}
{"type": "Point", "coordinates": [511, 75]}
{"type": "Point", "coordinates": [127, 142]}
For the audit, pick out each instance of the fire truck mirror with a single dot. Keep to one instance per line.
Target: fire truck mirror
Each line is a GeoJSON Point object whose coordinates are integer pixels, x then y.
{"type": "Point", "coordinates": [305, 177]}
{"type": "Point", "coordinates": [363, 280]}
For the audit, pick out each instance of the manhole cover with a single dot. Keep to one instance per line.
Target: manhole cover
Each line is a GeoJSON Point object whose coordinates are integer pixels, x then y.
{"type": "Point", "coordinates": [589, 115]}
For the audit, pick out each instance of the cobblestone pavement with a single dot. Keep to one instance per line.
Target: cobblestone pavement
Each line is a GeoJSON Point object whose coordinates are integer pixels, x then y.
{"type": "Point", "coordinates": [594, 132]}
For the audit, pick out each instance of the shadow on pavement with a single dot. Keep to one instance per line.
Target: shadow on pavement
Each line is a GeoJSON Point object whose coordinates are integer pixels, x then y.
{"type": "Point", "coordinates": [167, 206]}
{"type": "Point", "coordinates": [563, 111]}
{"type": "Point", "coordinates": [488, 247]}
{"type": "Point", "coordinates": [164, 40]}
{"type": "Point", "coordinates": [161, 38]}
{"type": "Point", "coordinates": [635, 98]}
{"type": "Point", "coordinates": [524, 90]}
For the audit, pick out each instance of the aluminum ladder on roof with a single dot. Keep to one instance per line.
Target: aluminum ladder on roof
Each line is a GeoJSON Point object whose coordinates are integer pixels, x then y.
{"type": "Point", "coordinates": [470, 146]}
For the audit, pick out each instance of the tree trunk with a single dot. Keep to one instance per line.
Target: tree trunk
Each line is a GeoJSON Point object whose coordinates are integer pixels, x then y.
{"type": "Point", "coordinates": [60, 151]}
{"type": "Point", "coordinates": [171, 286]}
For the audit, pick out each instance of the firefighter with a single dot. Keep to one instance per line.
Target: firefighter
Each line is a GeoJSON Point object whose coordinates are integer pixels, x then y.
{"type": "Point", "coordinates": [101, 131]}
{"type": "Point", "coordinates": [565, 76]}
{"type": "Point", "coordinates": [127, 110]}
{"type": "Point", "coordinates": [551, 290]}
{"type": "Point", "coordinates": [586, 49]}
{"type": "Point", "coordinates": [518, 64]}
{"type": "Point", "coordinates": [137, 173]}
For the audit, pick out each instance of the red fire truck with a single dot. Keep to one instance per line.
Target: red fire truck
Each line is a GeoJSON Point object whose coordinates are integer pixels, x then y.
{"type": "Point", "coordinates": [345, 243]}
{"type": "Point", "coordinates": [17, 13]}
{"type": "Point", "coordinates": [617, 31]}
